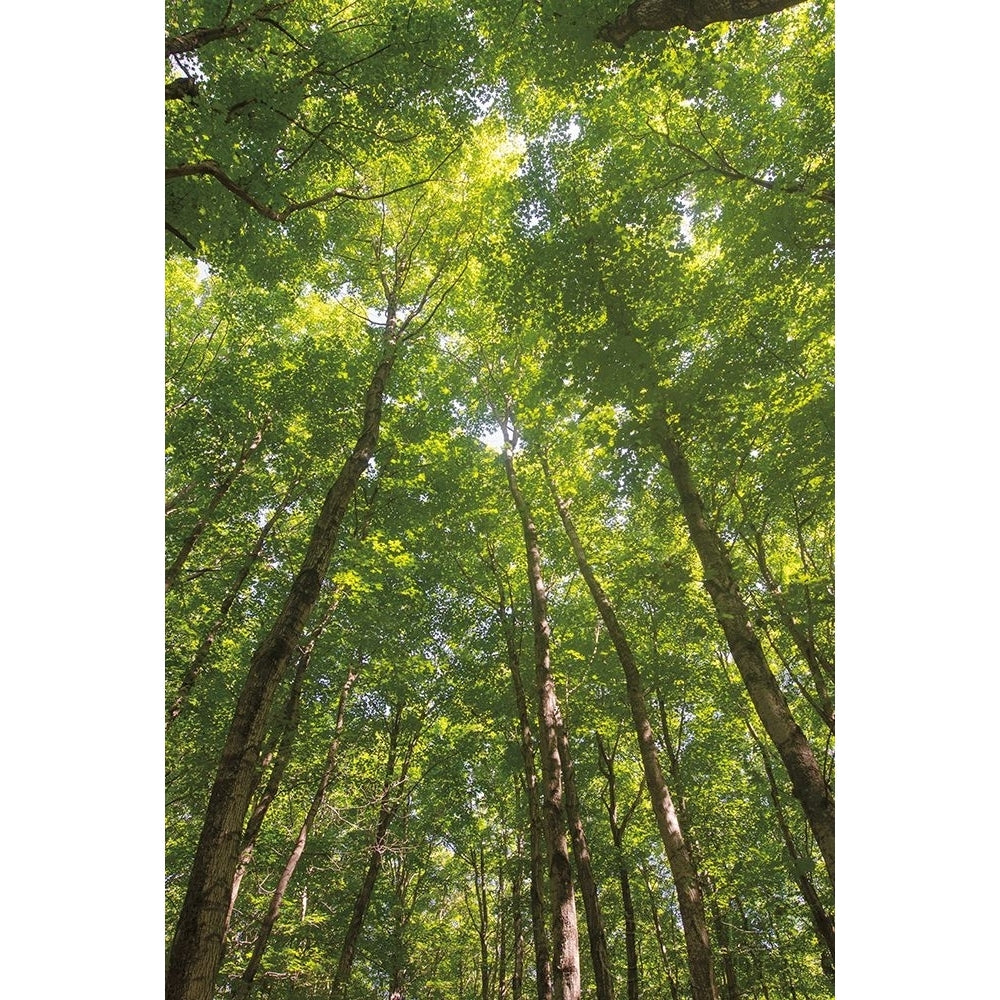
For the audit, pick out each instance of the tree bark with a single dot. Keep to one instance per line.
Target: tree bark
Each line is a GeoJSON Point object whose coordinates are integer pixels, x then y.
{"type": "Point", "coordinates": [819, 665]}
{"type": "Point", "coordinates": [543, 969]}
{"type": "Point", "coordinates": [243, 987]}
{"type": "Point", "coordinates": [588, 884]}
{"type": "Point", "coordinates": [196, 950]}
{"type": "Point", "coordinates": [808, 784]}
{"type": "Point", "coordinates": [662, 15]}
{"type": "Point", "coordinates": [279, 762]}
{"type": "Point", "coordinates": [682, 868]}
{"type": "Point", "coordinates": [565, 938]}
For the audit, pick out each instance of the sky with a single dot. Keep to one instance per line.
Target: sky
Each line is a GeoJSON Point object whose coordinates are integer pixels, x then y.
{"type": "Point", "coordinates": [917, 430]}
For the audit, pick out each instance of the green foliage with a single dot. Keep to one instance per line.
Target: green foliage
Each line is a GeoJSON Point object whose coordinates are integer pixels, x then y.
{"type": "Point", "coordinates": [575, 236]}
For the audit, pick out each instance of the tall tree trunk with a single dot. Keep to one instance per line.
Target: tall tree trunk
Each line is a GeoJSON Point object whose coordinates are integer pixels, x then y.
{"type": "Point", "coordinates": [278, 760]}
{"type": "Point", "coordinates": [661, 943]}
{"type": "Point", "coordinates": [588, 884]}
{"type": "Point", "coordinates": [682, 868]}
{"type": "Point", "coordinates": [174, 569]}
{"type": "Point", "coordinates": [726, 950]}
{"type": "Point", "coordinates": [196, 950]}
{"type": "Point", "coordinates": [808, 784]}
{"type": "Point", "coordinates": [538, 884]}
{"type": "Point", "coordinates": [243, 987]}
{"type": "Point", "coordinates": [565, 937]}
{"type": "Point", "coordinates": [517, 924]}
{"type": "Point", "coordinates": [662, 15]}
{"type": "Point", "coordinates": [618, 826]}
{"type": "Point", "coordinates": [822, 921]}
{"type": "Point", "coordinates": [197, 664]}
{"type": "Point", "coordinates": [389, 801]}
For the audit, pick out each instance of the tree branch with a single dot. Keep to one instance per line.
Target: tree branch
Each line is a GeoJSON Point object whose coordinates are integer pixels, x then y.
{"type": "Point", "coordinates": [209, 168]}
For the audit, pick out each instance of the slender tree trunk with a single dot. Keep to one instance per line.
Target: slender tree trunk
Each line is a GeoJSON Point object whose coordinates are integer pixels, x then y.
{"type": "Point", "coordinates": [174, 569]}
{"type": "Point", "coordinates": [726, 950]}
{"type": "Point", "coordinates": [808, 784]}
{"type": "Point", "coordinates": [389, 802]}
{"type": "Point", "coordinates": [588, 884]}
{"type": "Point", "coordinates": [501, 937]}
{"type": "Point", "coordinates": [661, 943]}
{"type": "Point", "coordinates": [517, 925]}
{"type": "Point", "coordinates": [543, 967]}
{"type": "Point", "coordinates": [618, 827]}
{"type": "Point", "coordinates": [278, 762]}
{"type": "Point", "coordinates": [196, 950]}
{"type": "Point", "coordinates": [682, 868]}
{"type": "Point", "coordinates": [819, 666]}
{"type": "Point", "coordinates": [260, 946]}
{"type": "Point", "coordinates": [196, 666]}
{"type": "Point", "coordinates": [822, 921]}
{"type": "Point", "coordinates": [565, 938]}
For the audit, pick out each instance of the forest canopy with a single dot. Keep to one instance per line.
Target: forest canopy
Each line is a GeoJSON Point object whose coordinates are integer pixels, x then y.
{"type": "Point", "coordinates": [499, 563]}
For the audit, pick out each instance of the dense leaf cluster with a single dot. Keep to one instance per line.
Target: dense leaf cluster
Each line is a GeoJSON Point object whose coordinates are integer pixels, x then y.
{"type": "Point", "coordinates": [575, 243]}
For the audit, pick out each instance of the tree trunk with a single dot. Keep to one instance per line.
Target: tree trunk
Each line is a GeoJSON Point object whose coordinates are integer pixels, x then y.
{"type": "Point", "coordinates": [196, 950]}
{"type": "Point", "coordinates": [662, 15]}
{"type": "Point", "coordinates": [689, 894]}
{"type": "Point", "coordinates": [243, 987]}
{"type": "Point", "coordinates": [808, 784]}
{"type": "Point", "coordinates": [174, 569]}
{"type": "Point", "coordinates": [822, 921]}
{"type": "Point", "coordinates": [543, 968]}
{"type": "Point", "coordinates": [618, 836]}
{"type": "Point", "coordinates": [819, 665]}
{"type": "Point", "coordinates": [588, 884]}
{"type": "Point", "coordinates": [726, 949]}
{"type": "Point", "coordinates": [517, 926]}
{"type": "Point", "coordinates": [196, 666]}
{"type": "Point", "coordinates": [389, 803]}
{"type": "Point", "coordinates": [565, 938]}
{"type": "Point", "coordinates": [278, 760]}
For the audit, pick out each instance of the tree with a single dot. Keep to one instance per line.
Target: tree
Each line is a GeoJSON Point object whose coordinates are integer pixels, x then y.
{"type": "Point", "coordinates": [395, 233]}
{"type": "Point", "coordinates": [662, 15]}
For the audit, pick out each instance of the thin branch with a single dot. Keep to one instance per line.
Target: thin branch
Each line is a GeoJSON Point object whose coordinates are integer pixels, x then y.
{"type": "Point", "coordinates": [181, 237]}
{"type": "Point", "coordinates": [209, 168]}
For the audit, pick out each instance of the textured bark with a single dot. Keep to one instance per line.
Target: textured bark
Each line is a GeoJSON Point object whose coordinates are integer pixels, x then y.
{"type": "Point", "coordinates": [808, 784]}
{"type": "Point", "coordinates": [682, 868]}
{"type": "Point", "coordinates": [245, 983]}
{"type": "Point", "coordinates": [196, 950]}
{"type": "Point", "coordinates": [597, 940]}
{"type": "Point", "coordinates": [565, 938]}
{"type": "Point", "coordinates": [662, 15]}
{"type": "Point", "coordinates": [174, 569]}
